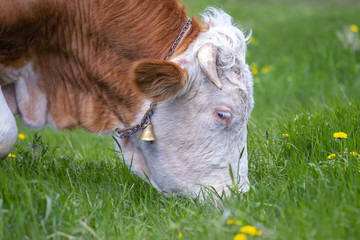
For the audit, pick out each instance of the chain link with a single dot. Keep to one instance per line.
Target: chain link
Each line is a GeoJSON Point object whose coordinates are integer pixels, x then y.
{"type": "Point", "coordinates": [123, 133]}
{"type": "Point", "coordinates": [183, 30]}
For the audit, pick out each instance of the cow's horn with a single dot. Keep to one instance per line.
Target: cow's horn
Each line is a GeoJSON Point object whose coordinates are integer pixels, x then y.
{"type": "Point", "coordinates": [207, 60]}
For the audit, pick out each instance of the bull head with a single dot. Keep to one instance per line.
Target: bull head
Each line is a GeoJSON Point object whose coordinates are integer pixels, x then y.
{"type": "Point", "coordinates": [200, 130]}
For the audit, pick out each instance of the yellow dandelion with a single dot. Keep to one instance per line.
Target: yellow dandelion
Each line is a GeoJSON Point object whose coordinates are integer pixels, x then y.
{"type": "Point", "coordinates": [230, 221]}
{"type": "Point", "coordinates": [257, 80]}
{"type": "Point", "coordinates": [239, 223]}
{"type": "Point", "coordinates": [354, 154]}
{"type": "Point", "coordinates": [285, 134]}
{"type": "Point", "coordinates": [267, 69]}
{"type": "Point", "coordinates": [252, 39]}
{"type": "Point", "coordinates": [340, 135]}
{"type": "Point", "coordinates": [22, 136]}
{"type": "Point", "coordinates": [354, 28]}
{"type": "Point", "coordinates": [114, 160]}
{"type": "Point", "coordinates": [254, 71]}
{"type": "Point", "coordinates": [180, 235]}
{"type": "Point", "coordinates": [251, 230]}
{"type": "Point", "coordinates": [12, 155]}
{"type": "Point", "coordinates": [331, 156]}
{"type": "Point", "coordinates": [240, 236]}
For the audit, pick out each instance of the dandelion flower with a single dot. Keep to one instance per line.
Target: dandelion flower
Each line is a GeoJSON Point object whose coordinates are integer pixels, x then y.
{"type": "Point", "coordinates": [114, 160]}
{"type": "Point", "coordinates": [239, 223]}
{"type": "Point", "coordinates": [240, 236]}
{"type": "Point", "coordinates": [354, 28]}
{"type": "Point", "coordinates": [180, 235]}
{"type": "Point", "coordinates": [354, 154]}
{"type": "Point", "coordinates": [254, 71]}
{"type": "Point", "coordinates": [331, 156]}
{"type": "Point", "coordinates": [12, 155]}
{"type": "Point", "coordinates": [267, 69]}
{"type": "Point", "coordinates": [340, 135]}
{"type": "Point", "coordinates": [22, 136]}
{"type": "Point", "coordinates": [251, 230]}
{"type": "Point", "coordinates": [285, 134]}
{"type": "Point", "coordinates": [230, 221]}
{"type": "Point", "coordinates": [254, 41]}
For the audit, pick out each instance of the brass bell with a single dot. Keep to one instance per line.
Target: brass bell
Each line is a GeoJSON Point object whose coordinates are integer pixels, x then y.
{"type": "Point", "coordinates": [147, 134]}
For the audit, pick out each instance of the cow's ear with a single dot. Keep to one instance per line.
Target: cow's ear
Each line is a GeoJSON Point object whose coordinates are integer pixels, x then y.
{"type": "Point", "coordinates": [158, 79]}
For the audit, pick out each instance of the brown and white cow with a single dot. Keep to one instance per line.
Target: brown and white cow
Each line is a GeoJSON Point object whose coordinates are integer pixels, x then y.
{"type": "Point", "coordinates": [99, 64]}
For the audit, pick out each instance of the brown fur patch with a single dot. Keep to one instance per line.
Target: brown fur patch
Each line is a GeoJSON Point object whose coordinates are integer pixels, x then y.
{"type": "Point", "coordinates": [158, 79]}
{"type": "Point", "coordinates": [82, 52]}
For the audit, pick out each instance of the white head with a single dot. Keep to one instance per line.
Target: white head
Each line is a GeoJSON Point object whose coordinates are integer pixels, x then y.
{"type": "Point", "coordinates": [200, 128]}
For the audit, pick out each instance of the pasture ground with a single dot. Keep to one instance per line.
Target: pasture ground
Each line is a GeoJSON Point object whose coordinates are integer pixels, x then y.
{"type": "Point", "coordinates": [71, 185]}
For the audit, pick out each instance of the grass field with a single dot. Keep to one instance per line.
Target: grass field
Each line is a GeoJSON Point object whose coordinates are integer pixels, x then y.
{"type": "Point", "coordinates": [71, 185]}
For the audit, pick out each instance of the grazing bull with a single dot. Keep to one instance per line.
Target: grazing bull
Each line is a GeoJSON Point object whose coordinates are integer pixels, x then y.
{"type": "Point", "coordinates": [117, 64]}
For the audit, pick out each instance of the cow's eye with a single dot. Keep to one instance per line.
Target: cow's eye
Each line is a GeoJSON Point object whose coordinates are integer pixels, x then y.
{"type": "Point", "coordinates": [224, 116]}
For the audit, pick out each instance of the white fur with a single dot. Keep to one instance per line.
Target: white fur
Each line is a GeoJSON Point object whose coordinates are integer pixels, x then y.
{"type": "Point", "coordinates": [193, 149]}
{"type": "Point", "coordinates": [8, 128]}
{"type": "Point", "coordinates": [8, 75]}
{"type": "Point", "coordinates": [31, 102]}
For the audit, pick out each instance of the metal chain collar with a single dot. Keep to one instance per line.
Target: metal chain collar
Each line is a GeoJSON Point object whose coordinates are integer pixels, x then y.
{"type": "Point", "coordinates": [146, 120]}
{"type": "Point", "coordinates": [177, 40]}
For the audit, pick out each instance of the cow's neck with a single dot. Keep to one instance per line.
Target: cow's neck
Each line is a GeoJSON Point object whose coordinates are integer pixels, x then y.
{"type": "Point", "coordinates": [81, 52]}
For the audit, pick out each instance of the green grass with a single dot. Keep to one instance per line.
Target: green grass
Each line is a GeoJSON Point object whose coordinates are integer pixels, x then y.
{"type": "Point", "coordinates": [71, 185]}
